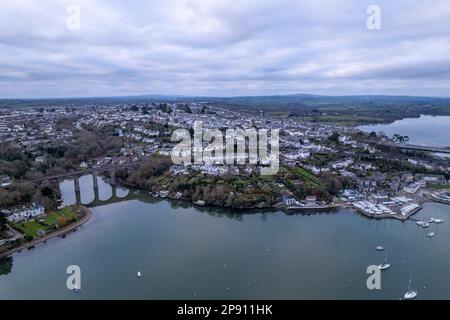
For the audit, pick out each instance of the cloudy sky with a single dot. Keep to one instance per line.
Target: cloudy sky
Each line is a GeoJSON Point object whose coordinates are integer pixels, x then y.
{"type": "Point", "coordinates": [225, 48]}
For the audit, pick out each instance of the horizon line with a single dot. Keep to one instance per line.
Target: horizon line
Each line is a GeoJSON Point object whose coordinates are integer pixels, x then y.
{"type": "Point", "coordinates": [224, 97]}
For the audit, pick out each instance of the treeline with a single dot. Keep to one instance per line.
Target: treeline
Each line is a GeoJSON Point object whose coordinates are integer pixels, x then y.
{"type": "Point", "coordinates": [146, 175]}
{"type": "Point", "coordinates": [85, 146]}
{"type": "Point", "coordinates": [45, 194]}
{"type": "Point", "coordinates": [231, 191]}
{"type": "Point", "coordinates": [19, 164]}
{"type": "Point", "coordinates": [324, 186]}
{"type": "Point", "coordinates": [13, 162]}
{"type": "Point", "coordinates": [223, 191]}
{"type": "Point", "coordinates": [88, 145]}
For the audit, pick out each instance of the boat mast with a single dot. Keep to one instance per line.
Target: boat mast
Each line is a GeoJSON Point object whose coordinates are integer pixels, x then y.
{"type": "Point", "coordinates": [409, 283]}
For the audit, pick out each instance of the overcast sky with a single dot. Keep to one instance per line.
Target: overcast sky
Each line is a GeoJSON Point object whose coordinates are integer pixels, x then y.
{"type": "Point", "coordinates": [223, 48]}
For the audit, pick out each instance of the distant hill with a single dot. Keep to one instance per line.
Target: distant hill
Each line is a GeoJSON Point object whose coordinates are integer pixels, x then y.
{"type": "Point", "coordinates": [348, 110]}
{"type": "Point", "coordinates": [307, 100]}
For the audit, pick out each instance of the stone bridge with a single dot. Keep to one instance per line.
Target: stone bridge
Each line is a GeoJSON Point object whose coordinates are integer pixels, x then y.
{"type": "Point", "coordinates": [95, 170]}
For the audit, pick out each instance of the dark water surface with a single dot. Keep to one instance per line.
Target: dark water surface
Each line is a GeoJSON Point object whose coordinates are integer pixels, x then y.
{"type": "Point", "coordinates": [184, 252]}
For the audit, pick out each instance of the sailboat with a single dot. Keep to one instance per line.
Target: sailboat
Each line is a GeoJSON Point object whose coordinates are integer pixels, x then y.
{"type": "Point", "coordinates": [430, 234]}
{"type": "Point", "coordinates": [384, 265]}
{"type": "Point", "coordinates": [380, 248]}
{"type": "Point", "coordinates": [410, 294]}
{"type": "Point", "coordinates": [438, 220]}
{"type": "Point", "coordinates": [139, 274]}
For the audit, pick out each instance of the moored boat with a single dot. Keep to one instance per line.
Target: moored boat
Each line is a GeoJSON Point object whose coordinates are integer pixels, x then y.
{"type": "Point", "coordinates": [410, 293]}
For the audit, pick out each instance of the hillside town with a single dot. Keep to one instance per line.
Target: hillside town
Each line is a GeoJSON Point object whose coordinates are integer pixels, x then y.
{"type": "Point", "coordinates": [321, 165]}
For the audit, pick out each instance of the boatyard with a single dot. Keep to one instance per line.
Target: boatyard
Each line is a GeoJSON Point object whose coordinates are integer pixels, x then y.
{"type": "Point", "coordinates": [399, 207]}
{"type": "Point", "coordinates": [441, 196]}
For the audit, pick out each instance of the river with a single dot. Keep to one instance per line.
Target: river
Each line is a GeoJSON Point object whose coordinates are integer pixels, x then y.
{"type": "Point", "coordinates": [425, 130]}
{"type": "Point", "coordinates": [186, 252]}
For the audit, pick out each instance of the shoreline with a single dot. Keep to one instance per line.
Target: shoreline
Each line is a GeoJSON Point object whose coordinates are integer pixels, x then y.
{"type": "Point", "coordinates": [60, 232]}
{"type": "Point", "coordinates": [287, 209]}
{"type": "Point", "coordinates": [388, 216]}
{"type": "Point", "coordinates": [88, 214]}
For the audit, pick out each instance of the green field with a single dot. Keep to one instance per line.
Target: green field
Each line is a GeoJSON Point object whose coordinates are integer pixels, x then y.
{"type": "Point", "coordinates": [30, 228]}
{"type": "Point", "coordinates": [52, 218]}
{"type": "Point", "coordinates": [307, 176]}
{"type": "Point", "coordinates": [346, 120]}
{"type": "Point", "coordinates": [436, 186]}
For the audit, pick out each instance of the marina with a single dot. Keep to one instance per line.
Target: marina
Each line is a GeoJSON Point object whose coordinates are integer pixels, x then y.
{"type": "Point", "coordinates": [399, 208]}
{"type": "Point", "coordinates": [441, 196]}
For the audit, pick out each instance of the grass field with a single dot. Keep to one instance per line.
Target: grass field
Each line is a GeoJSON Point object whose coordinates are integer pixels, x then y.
{"type": "Point", "coordinates": [436, 186]}
{"type": "Point", "coordinates": [53, 217]}
{"type": "Point", "coordinates": [308, 176]}
{"type": "Point", "coordinates": [347, 120]}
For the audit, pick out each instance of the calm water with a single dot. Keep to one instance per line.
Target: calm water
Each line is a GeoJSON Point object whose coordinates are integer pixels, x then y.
{"type": "Point", "coordinates": [426, 130]}
{"type": "Point", "coordinates": [185, 252]}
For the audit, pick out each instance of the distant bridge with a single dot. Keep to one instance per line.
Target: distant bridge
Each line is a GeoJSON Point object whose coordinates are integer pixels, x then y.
{"type": "Point", "coordinates": [416, 147]}
{"type": "Point", "coordinates": [93, 170]}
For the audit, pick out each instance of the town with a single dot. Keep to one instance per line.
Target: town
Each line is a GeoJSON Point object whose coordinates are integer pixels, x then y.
{"type": "Point", "coordinates": [322, 165]}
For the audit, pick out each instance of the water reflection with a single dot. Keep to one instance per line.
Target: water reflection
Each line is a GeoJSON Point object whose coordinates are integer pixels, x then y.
{"type": "Point", "coordinates": [87, 189]}
{"type": "Point", "coordinates": [183, 249]}
{"type": "Point", "coordinates": [88, 195]}
{"type": "Point", "coordinates": [6, 265]}
{"type": "Point", "coordinates": [122, 192]}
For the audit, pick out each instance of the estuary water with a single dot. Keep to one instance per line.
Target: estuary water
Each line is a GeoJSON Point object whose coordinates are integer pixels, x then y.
{"type": "Point", "coordinates": [186, 252]}
{"type": "Point", "coordinates": [425, 130]}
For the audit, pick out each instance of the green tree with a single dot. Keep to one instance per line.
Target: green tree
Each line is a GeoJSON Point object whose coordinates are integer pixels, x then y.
{"type": "Point", "coordinates": [3, 222]}
{"type": "Point", "coordinates": [334, 137]}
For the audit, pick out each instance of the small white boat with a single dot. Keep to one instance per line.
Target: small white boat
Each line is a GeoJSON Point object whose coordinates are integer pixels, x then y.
{"type": "Point", "coordinates": [139, 274]}
{"type": "Point", "coordinates": [380, 248]}
{"type": "Point", "coordinates": [76, 289]}
{"type": "Point", "coordinates": [425, 225]}
{"type": "Point", "coordinates": [420, 223]}
{"type": "Point", "coordinates": [438, 220]}
{"type": "Point", "coordinates": [410, 294]}
{"type": "Point", "coordinates": [385, 265]}
{"type": "Point", "coordinates": [430, 234]}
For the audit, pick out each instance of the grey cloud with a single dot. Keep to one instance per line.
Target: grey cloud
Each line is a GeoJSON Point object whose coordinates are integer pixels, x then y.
{"type": "Point", "coordinates": [197, 47]}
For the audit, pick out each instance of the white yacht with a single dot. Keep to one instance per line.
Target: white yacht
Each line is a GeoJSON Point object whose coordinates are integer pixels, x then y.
{"type": "Point", "coordinates": [380, 248]}
{"type": "Point", "coordinates": [139, 274]}
{"type": "Point", "coordinates": [425, 225]}
{"type": "Point", "coordinates": [438, 220]}
{"type": "Point", "coordinates": [385, 265]}
{"type": "Point", "coordinates": [410, 294]}
{"type": "Point", "coordinates": [430, 234]}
